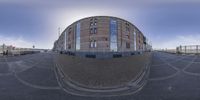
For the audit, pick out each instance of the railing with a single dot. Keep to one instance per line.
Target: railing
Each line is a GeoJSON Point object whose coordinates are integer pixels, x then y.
{"type": "Point", "coordinates": [189, 49]}
{"type": "Point", "coordinates": [18, 52]}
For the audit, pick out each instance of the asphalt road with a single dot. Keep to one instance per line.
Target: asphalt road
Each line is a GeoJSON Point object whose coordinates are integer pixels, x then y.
{"type": "Point", "coordinates": [32, 77]}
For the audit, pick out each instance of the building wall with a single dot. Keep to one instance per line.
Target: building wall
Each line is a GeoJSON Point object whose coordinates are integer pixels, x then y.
{"type": "Point", "coordinates": [95, 36]}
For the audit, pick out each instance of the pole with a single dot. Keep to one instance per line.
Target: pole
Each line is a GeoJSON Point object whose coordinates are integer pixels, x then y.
{"type": "Point", "coordinates": [65, 40]}
{"type": "Point", "coordinates": [58, 32]}
{"type": "Point", "coordinates": [197, 48]}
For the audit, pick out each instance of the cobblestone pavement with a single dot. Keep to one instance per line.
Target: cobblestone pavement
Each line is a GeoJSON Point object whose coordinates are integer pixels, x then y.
{"type": "Point", "coordinates": [102, 73]}
{"type": "Point", "coordinates": [32, 77]}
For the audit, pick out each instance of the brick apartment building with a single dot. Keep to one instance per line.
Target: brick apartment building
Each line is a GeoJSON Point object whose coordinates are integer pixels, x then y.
{"type": "Point", "coordinates": [101, 34]}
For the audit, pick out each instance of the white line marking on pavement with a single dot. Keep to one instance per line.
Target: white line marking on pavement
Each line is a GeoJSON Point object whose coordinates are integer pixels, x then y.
{"type": "Point", "coordinates": [170, 76]}
{"type": "Point", "coordinates": [189, 65]}
{"type": "Point", "coordinates": [9, 73]}
{"type": "Point", "coordinates": [164, 78]}
{"type": "Point", "coordinates": [29, 84]}
{"type": "Point", "coordinates": [35, 86]}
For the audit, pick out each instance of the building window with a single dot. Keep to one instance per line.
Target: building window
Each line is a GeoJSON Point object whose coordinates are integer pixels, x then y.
{"type": "Point", "coordinates": [91, 19]}
{"type": "Point", "coordinates": [93, 44]}
{"type": "Point", "coordinates": [113, 35]}
{"type": "Point", "coordinates": [69, 46]}
{"type": "Point", "coordinates": [95, 30]}
{"type": "Point", "coordinates": [127, 36]}
{"type": "Point", "coordinates": [127, 29]}
{"type": "Point", "coordinates": [127, 45]}
{"type": "Point", "coordinates": [78, 26]}
{"type": "Point", "coordinates": [95, 23]}
{"type": "Point", "coordinates": [95, 19]}
{"type": "Point", "coordinates": [127, 24]}
{"type": "Point", "coordinates": [106, 39]}
{"type": "Point", "coordinates": [91, 30]}
{"type": "Point", "coordinates": [139, 36]}
{"type": "Point", "coordinates": [91, 23]}
{"type": "Point", "coordinates": [70, 29]}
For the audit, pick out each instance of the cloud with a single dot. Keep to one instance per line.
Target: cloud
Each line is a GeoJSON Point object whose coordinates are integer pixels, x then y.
{"type": "Point", "coordinates": [15, 41]}
{"type": "Point", "coordinates": [177, 41]}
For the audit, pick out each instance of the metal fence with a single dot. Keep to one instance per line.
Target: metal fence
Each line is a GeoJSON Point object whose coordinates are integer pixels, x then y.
{"type": "Point", "coordinates": [189, 49]}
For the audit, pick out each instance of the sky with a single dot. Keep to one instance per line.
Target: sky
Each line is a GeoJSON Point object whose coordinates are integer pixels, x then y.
{"type": "Point", "coordinates": [166, 23]}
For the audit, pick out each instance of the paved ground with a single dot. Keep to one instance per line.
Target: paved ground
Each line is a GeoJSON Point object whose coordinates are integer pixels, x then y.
{"type": "Point", "coordinates": [103, 73]}
{"type": "Point", "coordinates": [31, 77]}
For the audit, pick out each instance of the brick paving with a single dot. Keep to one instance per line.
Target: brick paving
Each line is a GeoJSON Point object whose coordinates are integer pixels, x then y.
{"type": "Point", "coordinates": [99, 73]}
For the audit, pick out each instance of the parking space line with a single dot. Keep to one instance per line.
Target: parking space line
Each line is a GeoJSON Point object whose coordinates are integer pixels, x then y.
{"type": "Point", "coordinates": [34, 86]}
{"type": "Point", "coordinates": [189, 65]}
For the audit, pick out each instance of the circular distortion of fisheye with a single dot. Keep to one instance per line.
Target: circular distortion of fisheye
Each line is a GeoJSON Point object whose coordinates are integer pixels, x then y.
{"type": "Point", "coordinates": [102, 56]}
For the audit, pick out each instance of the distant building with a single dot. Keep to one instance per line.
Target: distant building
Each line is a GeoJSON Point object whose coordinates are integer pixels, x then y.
{"type": "Point", "coordinates": [101, 34]}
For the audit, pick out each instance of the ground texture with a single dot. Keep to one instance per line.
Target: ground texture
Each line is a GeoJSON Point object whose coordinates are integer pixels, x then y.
{"type": "Point", "coordinates": [102, 73]}
{"type": "Point", "coordinates": [32, 77]}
